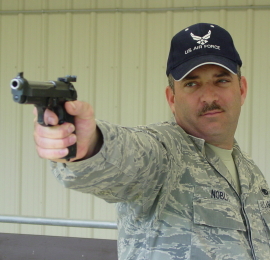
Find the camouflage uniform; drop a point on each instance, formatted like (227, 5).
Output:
(175, 198)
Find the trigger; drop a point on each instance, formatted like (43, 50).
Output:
(41, 111)
(59, 111)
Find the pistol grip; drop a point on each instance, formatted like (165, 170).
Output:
(63, 116)
(72, 150)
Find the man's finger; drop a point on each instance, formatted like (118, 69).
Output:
(55, 132)
(52, 154)
(50, 118)
(48, 143)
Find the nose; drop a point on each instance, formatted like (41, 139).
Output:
(209, 93)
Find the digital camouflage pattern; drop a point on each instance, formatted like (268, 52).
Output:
(175, 198)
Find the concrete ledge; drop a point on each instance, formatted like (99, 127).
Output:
(37, 247)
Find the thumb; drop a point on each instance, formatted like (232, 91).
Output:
(88, 136)
(80, 109)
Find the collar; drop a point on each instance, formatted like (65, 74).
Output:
(200, 143)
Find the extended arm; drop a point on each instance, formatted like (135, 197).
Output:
(112, 162)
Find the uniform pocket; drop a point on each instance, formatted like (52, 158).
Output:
(264, 206)
(216, 211)
(217, 214)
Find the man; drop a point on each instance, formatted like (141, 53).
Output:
(184, 189)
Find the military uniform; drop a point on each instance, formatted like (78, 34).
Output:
(175, 198)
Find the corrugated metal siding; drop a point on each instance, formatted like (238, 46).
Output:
(120, 60)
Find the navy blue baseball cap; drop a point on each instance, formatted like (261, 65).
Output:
(201, 44)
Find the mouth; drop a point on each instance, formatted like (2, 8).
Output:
(211, 110)
(212, 113)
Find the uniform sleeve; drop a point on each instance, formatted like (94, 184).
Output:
(130, 165)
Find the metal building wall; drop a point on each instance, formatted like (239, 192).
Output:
(119, 57)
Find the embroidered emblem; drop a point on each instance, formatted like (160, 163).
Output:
(201, 40)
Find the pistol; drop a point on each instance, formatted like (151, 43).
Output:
(48, 94)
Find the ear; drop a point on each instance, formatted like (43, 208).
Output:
(243, 89)
(170, 98)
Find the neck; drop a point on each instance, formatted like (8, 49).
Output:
(222, 145)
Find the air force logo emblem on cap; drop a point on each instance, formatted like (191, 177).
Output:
(201, 40)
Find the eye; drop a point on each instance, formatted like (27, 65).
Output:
(190, 84)
(223, 80)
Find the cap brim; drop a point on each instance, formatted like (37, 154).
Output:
(184, 69)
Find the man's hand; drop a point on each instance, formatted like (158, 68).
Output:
(52, 142)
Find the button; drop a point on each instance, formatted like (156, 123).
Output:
(265, 192)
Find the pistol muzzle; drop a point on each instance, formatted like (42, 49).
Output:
(15, 84)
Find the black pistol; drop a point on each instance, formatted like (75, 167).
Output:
(49, 94)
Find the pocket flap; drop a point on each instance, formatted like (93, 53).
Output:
(217, 213)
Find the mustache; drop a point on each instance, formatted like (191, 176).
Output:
(207, 107)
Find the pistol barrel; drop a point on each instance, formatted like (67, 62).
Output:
(15, 84)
